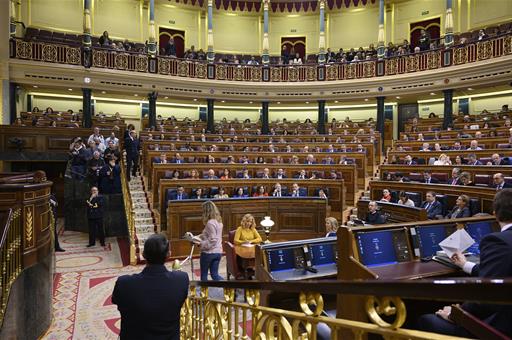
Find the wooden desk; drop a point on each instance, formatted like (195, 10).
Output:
(396, 212)
(487, 142)
(412, 270)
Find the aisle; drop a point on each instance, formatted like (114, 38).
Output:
(82, 293)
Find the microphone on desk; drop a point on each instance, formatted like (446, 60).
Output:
(307, 260)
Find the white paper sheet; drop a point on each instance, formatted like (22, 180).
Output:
(459, 241)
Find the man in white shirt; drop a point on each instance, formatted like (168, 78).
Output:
(96, 134)
(474, 145)
(115, 140)
(277, 191)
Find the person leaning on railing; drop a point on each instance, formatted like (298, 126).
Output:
(495, 262)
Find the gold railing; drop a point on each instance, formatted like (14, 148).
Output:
(10, 257)
(203, 317)
(129, 212)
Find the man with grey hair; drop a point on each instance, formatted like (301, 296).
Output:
(374, 216)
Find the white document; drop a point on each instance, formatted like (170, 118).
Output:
(189, 237)
(459, 241)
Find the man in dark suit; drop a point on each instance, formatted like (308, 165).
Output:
(455, 180)
(432, 206)
(374, 216)
(428, 179)
(177, 159)
(499, 182)
(280, 174)
(498, 160)
(409, 160)
(95, 217)
(161, 160)
(170, 48)
(179, 194)
(472, 160)
(495, 262)
(149, 308)
(132, 147)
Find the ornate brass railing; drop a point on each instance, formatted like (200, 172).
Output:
(140, 62)
(205, 318)
(11, 249)
(129, 212)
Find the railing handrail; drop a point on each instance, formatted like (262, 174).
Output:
(3, 236)
(446, 289)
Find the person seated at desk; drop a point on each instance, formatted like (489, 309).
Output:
(428, 179)
(499, 182)
(226, 174)
(246, 232)
(403, 199)
(432, 206)
(296, 191)
(465, 179)
(386, 195)
(262, 192)
(161, 160)
(198, 194)
(221, 193)
(495, 262)
(374, 216)
(331, 227)
(239, 193)
(461, 208)
(211, 175)
(278, 191)
(472, 160)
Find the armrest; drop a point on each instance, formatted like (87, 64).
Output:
(474, 325)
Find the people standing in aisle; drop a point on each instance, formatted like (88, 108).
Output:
(95, 206)
(132, 147)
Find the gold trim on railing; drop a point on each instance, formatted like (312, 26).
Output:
(129, 213)
(203, 317)
(10, 259)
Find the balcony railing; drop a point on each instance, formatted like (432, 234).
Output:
(138, 62)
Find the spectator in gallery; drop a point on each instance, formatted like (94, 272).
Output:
(297, 60)
(331, 226)
(211, 242)
(240, 193)
(96, 135)
(95, 205)
(94, 166)
(261, 192)
(386, 195)
(246, 233)
(149, 310)
(403, 199)
(170, 48)
(285, 56)
(112, 138)
(482, 35)
(78, 159)
(374, 216)
(253, 61)
(104, 40)
(424, 40)
(461, 208)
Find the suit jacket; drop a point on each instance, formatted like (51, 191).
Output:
(132, 147)
(376, 218)
(170, 49)
(504, 161)
(465, 212)
(435, 209)
(95, 208)
(432, 180)
(150, 303)
(457, 182)
(505, 186)
(174, 196)
(495, 262)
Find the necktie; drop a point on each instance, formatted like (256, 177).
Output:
(427, 208)
(179, 197)
(428, 181)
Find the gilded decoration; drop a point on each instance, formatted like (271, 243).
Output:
(275, 74)
(164, 66)
(256, 73)
(388, 306)
(331, 72)
(293, 74)
(238, 73)
(29, 226)
(50, 53)
(201, 70)
(183, 68)
(369, 69)
(311, 73)
(507, 45)
(99, 58)
(220, 72)
(73, 56)
(391, 66)
(412, 63)
(121, 61)
(23, 50)
(460, 55)
(141, 63)
(433, 60)
(350, 71)
(484, 50)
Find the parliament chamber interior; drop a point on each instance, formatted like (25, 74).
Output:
(255, 169)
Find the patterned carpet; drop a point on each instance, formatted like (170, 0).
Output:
(83, 288)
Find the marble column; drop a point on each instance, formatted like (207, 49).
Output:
(321, 40)
(87, 108)
(264, 118)
(321, 117)
(152, 29)
(210, 55)
(265, 58)
(152, 109)
(380, 115)
(381, 38)
(448, 108)
(210, 117)
(448, 25)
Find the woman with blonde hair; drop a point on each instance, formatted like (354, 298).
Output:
(246, 232)
(331, 226)
(443, 160)
(211, 242)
